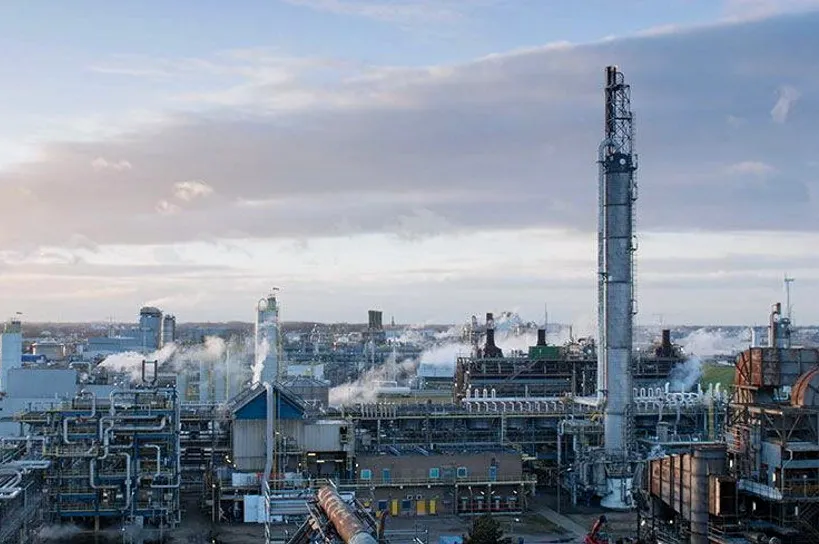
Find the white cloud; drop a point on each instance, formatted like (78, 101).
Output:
(505, 141)
(757, 168)
(102, 164)
(785, 101)
(696, 277)
(470, 162)
(749, 9)
(190, 190)
(163, 207)
(398, 11)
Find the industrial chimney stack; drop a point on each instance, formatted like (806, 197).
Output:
(617, 193)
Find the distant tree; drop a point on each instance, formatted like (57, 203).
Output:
(486, 530)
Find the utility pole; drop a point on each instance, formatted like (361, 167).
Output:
(788, 282)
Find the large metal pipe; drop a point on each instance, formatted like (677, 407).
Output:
(348, 527)
(271, 403)
(704, 462)
(136, 428)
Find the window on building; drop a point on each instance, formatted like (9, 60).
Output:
(434, 473)
(462, 472)
(366, 474)
(385, 475)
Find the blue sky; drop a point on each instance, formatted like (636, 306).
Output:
(434, 159)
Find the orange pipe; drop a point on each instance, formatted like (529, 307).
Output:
(339, 513)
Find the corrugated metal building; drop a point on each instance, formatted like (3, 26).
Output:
(317, 447)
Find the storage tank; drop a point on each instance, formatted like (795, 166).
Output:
(168, 329)
(150, 328)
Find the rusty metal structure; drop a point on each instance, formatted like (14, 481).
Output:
(349, 527)
(333, 520)
(764, 484)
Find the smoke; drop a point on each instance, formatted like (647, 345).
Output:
(266, 330)
(262, 350)
(58, 532)
(169, 357)
(365, 389)
(708, 342)
(130, 362)
(445, 355)
(685, 375)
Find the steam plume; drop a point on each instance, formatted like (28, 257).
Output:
(58, 532)
(685, 375)
(261, 353)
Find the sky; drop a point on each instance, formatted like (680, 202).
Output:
(430, 158)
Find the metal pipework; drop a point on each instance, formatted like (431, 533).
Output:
(348, 527)
(271, 411)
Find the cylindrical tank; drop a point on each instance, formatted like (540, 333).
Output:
(706, 461)
(348, 527)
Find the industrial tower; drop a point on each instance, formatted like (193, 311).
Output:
(616, 302)
(268, 340)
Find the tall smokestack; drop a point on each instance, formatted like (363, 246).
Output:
(665, 346)
(615, 262)
(541, 337)
(490, 349)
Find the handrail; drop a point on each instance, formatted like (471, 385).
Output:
(469, 480)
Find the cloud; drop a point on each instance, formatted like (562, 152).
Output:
(757, 168)
(163, 207)
(190, 190)
(787, 97)
(754, 9)
(700, 278)
(502, 142)
(102, 164)
(398, 11)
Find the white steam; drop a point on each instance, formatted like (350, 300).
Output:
(445, 355)
(58, 532)
(130, 362)
(260, 354)
(366, 388)
(686, 375)
(511, 334)
(707, 342)
(169, 357)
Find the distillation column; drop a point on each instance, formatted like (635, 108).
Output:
(616, 248)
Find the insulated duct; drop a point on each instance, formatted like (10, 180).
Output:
(346, 524)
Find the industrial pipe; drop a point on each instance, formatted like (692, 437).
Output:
(158, 449)
(127, 479)
(7, 495)
(177, 431)
(268, 465)
(348, 527)
(92, 463)
(13, 482)
(93, 413)
(135, 428)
